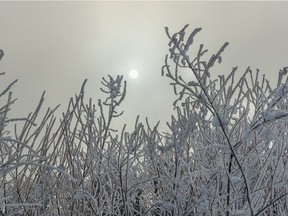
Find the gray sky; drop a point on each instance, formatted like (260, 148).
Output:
(54, 46)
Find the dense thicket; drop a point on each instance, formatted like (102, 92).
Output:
(225, 152)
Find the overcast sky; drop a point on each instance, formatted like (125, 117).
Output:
(54, 46)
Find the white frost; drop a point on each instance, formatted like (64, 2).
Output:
(216, 122)
(202, 207)
(235, 179)
(79, 195)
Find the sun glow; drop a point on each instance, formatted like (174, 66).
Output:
(133, 74)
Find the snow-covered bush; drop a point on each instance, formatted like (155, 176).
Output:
(239, 142)
(225, 152)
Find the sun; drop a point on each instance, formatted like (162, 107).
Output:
(133, 74)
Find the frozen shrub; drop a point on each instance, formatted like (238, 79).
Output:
(225, 151)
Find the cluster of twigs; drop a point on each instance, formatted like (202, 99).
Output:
(225, 152)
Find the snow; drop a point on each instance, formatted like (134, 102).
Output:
(235, 179)
(85, 167)
(79, 195)
(218, 120)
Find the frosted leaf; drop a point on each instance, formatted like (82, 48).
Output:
(247, 135)
(61, 167)
(203, 111)
(183, 61)
(279, 185)
(79, 195)
(176, 181)
(275, 115)
(192, 83)
(193, 125)
(216, 122)
(261, 193)
(165, 149)
(114, 94)
(181, 198)
(265, 133)
(235, 179)
(281, 91)
(168, 206)
(202, 207)
(37, 190)
(280, 114)
(239, 213)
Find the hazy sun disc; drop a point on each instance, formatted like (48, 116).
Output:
(133, 74)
